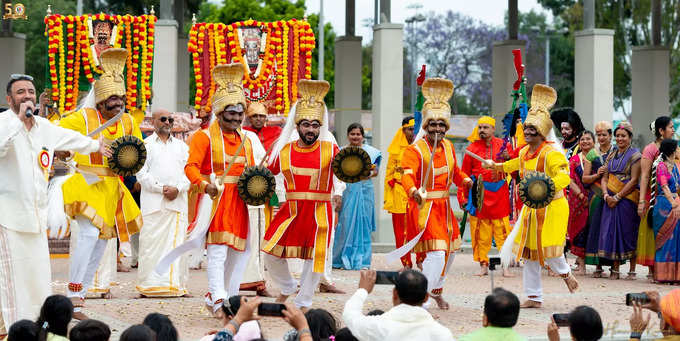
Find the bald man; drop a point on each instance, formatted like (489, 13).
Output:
(164, 209)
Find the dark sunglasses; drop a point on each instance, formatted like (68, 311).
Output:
(21, 77)
(169, 119)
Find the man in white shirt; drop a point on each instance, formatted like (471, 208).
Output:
(164, 209)
(407, 320)
(27, 145)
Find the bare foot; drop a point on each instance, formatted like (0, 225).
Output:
(330, 288)
(598, 273)
(264, 293)
(187, 295)
(631, 276)
(508, 273)
(529, 304)
(107, 295)
(419, 265)
(571, 282)
(552, 273)
(281, 298)
(79, 315)
(441, 303)
(122, 268)
(483, 271)
(135, 265)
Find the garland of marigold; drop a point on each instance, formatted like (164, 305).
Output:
(135, 62)
(62, 65)
(76, 67)
(52, 48)
(211, 55)
(284, 64)
(196, 43)
(69, 63)
(151, 29)
(85, 50)
(142, 46)
(128, 62)
(296, 60)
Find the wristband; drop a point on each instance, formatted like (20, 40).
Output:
(635, 335)
(235, 324)
(304, 331)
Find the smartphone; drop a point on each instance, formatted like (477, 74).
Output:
(636, 297)
(493, 261)
(270, 309)
(561, 320)
(386, 277)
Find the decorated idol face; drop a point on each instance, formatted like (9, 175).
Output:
(102, 32)
(251, 44)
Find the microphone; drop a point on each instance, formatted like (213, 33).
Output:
(30, 112)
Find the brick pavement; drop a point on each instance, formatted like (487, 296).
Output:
(464, 291)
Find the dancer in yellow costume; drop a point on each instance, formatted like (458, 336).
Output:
(540, 234)
(104, 209)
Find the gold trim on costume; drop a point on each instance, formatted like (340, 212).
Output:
(437, 195)
(100, 171)
(226, 237)
(314, 196)
(547, 252)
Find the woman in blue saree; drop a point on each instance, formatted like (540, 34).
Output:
(666, 215)
(352, 249)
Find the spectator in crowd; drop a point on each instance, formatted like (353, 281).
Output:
(161, 324)
(249, 330)
(501, 310)
(407, 320)
(668, 309)
(584, 325)
(322, 326)
(90, 330)
(345, 335)
(138, 332)
(54, 318)
(23, 330)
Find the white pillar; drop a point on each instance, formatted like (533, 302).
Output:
(594, 76)
(503, 75)
(12, 58)
(183, 75)
(650, 66)
(347, 85)
(388, 107)
(165, 66)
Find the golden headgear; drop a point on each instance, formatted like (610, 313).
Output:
(112, 81)
(310, 105)
(543, 98)
(229, 79)
(256, 108)
(603, 125)
(437, 92)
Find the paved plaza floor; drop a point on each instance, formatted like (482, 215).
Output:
(464, 291)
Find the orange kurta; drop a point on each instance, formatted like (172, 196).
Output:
(303, 226)
(436, 217)
(208, 153)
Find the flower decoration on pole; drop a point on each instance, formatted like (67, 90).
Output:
(275, 55)
(74, 44)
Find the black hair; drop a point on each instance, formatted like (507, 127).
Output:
(138, 332)
(162, 325)
(375, 312)
(570, 116)
(668, 147)
(344, 334)
(661, 123)
(23, 330)
(90, 330)
(625, 128)
(321, 323)
(355, 125)
(13, 80)
(585, 324)
(231, 306)
(501, 308)
(406, 119)
(588, 132)
(411, 287)
(55, 315)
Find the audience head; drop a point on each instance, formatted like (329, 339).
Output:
(345, 334)
(55, 316)
(375, 312)
(162, 325)
(585, 324)
(663, 127)
(501, 309)
(668, 148)
(411, 288)
(138, 332)
(23, 330)
(231, 306)
(321, 323)
(90, 330)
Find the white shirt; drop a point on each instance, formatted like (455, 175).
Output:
(164, 166)
(402, 322)
(23, 184)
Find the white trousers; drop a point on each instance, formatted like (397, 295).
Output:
(531, 275)
(254, 271)
(280, 275)
(225, 271)
(134, 243)
(85, 257)
(433, 269)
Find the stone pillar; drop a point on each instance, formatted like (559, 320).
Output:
(650, 66)
(165, 65)
(594, 76)
(347, 85)
(503, 75)
(12, 58)
(388, 95)
(183, 75)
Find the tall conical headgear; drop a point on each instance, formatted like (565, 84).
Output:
(229, 79)
(310, 106)
(437, 92)
(112, 81)
(543, 98)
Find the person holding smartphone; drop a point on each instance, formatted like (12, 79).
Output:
(584, 324)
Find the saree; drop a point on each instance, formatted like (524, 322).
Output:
(666, 228)
(645, 243)
(578, 209)
(596, 204)
(352, 248)
(619, 225)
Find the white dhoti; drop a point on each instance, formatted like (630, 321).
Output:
(531, 275)
(277, 268)
(87, 251)
(253, 278)
(435, 269)
(163, 231)
(25, 275)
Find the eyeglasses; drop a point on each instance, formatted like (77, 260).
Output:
(169, 119)
(20, 77)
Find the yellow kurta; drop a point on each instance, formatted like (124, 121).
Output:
(395, 199)
(107, 203)
(553, 231)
